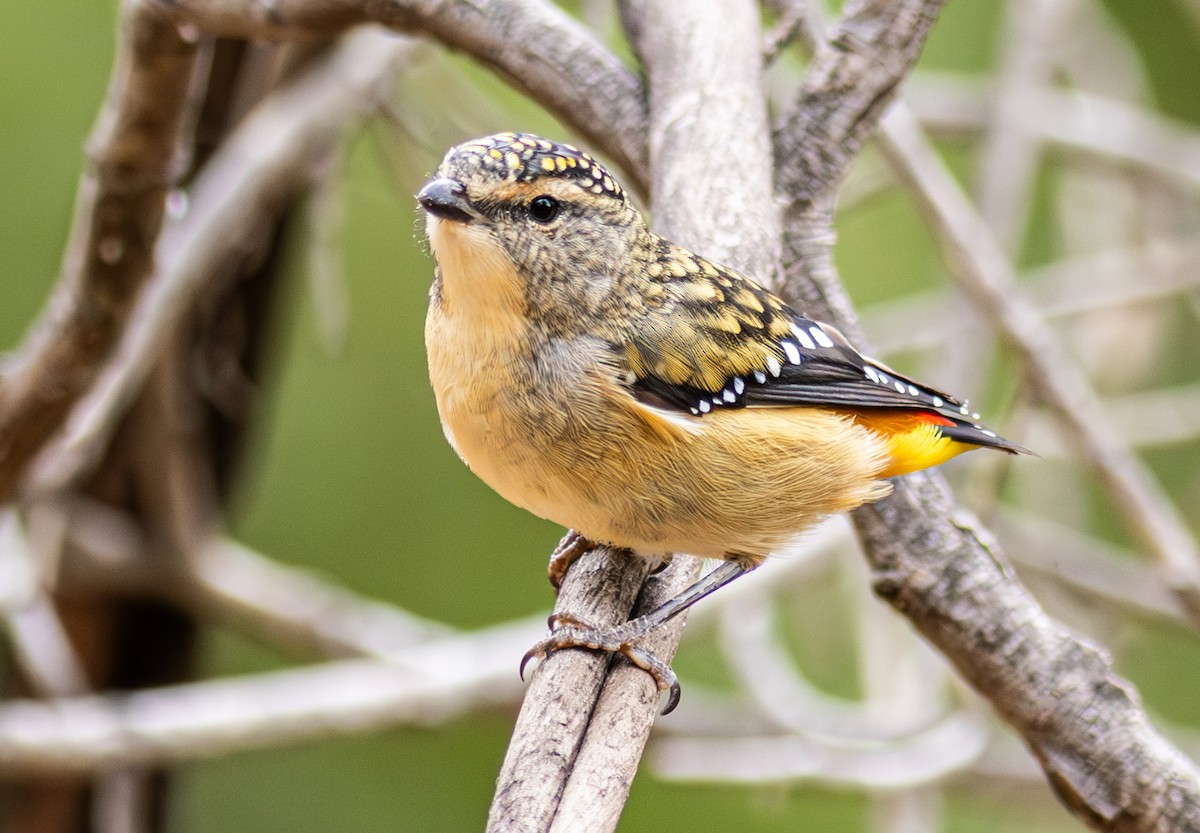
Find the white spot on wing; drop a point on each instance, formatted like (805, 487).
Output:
(760, 377)
(739, 386)
(773, 366)
(819, 335)
(803, 337)
(791, 351)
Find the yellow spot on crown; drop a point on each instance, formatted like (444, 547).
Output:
(495, 154)
(547, 164)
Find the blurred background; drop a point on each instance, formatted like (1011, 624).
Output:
(344, 471)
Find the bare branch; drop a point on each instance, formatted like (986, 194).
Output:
(600, 588)
(1085, 727)
(1075, 123)
(1010, 154)
(1100, 572)
(854, 75)
(1082, 722)
(1061, 289)
(133, 162)
(533, 44)
(422, 685)
(287, 607)
(985, 275)
(268, 159)
(921, 759)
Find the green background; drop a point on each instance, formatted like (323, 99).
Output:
(348, 473)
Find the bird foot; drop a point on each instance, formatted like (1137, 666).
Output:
(569, 632)
(569, 550)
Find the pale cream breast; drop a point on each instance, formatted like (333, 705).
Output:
(547, 424)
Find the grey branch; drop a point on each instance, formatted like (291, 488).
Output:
(935, 566)
(268, 159)
(706, 93)
(984, 273)
(132, 165)
(569, 72)
(423, 685)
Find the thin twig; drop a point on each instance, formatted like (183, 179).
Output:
(422, 685)
(1077, 124)
(934, 565)
(984, 273)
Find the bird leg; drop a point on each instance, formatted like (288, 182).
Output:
(569, 632)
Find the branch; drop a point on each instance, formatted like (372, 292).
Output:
(1076, 123)
(854, 74)
(540, 49)
(1082, 722)
(270, 157)
(423, 685)
(934, 566)
(133, 163)
(984, 273)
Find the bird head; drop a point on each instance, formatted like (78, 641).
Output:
(548, 212)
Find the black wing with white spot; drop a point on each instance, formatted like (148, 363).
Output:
(820, 368)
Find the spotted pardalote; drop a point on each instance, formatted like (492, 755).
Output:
(607, 379)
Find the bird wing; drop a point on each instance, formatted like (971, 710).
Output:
(719, 340)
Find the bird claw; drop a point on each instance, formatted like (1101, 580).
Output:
(570, 549)
(569, 632)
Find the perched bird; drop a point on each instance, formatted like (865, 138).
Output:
(614, 382)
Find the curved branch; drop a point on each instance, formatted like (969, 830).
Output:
(133, 163)
(983, 272)
(541, 50)
(422, 685)
(1083, 723)
(267, 159)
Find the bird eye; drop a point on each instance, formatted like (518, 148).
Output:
(543, 209)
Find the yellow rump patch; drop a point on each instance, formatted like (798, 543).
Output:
(913, 440)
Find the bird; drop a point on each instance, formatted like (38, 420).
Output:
(640, 395)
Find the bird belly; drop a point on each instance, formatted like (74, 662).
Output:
(567, 443)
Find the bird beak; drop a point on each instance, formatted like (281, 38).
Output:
(447, 199)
